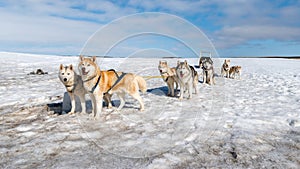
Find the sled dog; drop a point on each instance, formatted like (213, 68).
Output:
(208, 71)
(225, 68)
(204, 59)
(98, 82)
(169, 76)
(234, 71)
(74, 86)
(187, 78)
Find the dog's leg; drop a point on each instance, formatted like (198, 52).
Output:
(137, 96)
(99, 102)
(169, 89)
(121, 96)
(211, 79)
(82, 101)
(195, 85)
(107, 99)
(181, 91)
(172, 88)
(190, 90)
(73, 103)
(94, 105)
(203, 77)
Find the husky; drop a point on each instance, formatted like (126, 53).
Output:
(187, 78)
(235, 70)
(225, 68)
(208, 71)
(169, 76)
(204, 59)
(74, 86)
(98, 82)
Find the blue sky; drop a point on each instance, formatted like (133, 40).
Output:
(235, 27)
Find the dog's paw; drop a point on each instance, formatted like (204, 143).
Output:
(71, 112)
(97, 117)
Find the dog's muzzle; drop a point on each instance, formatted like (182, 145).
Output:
(65, 79)
(84, 71)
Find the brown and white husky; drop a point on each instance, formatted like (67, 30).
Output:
(98, 82)
(225, 68)
(169, 76)
(234, 71)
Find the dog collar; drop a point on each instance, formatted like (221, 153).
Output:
(73, 87)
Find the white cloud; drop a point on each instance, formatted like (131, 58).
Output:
(230, 36)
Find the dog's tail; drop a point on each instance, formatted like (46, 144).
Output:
(142, 83)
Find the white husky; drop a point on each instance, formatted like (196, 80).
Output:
(187, 78)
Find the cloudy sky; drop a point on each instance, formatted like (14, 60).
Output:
(234, 27)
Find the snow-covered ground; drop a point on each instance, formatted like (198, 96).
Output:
(249, 123)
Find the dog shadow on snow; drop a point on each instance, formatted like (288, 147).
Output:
(58, 109)
(160, 91)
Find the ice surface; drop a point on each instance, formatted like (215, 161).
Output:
(249, 123)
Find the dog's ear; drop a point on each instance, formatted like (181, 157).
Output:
(94, 58)
(185, 62)
(81, 57)
(71, 67)
(61, 67)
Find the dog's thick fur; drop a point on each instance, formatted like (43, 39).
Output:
(187, 78)
(208, 70)
(98, 82)
(225, 68)
(169, 76)
(74, 86)
(234, 71)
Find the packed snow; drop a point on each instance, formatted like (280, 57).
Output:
(252, 122)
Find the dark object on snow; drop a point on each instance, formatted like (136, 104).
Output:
(38, 72)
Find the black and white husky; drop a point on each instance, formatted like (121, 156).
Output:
(187, 78)
(208, 70)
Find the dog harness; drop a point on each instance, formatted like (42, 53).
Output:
(117, 81)
(93, 89)
(226, 69)
(164, 76)
(97, 83)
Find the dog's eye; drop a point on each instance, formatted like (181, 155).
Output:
(68, 73)
(62, 74)
(89, 65)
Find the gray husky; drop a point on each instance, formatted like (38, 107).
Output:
(187, 78)
(74, 86)
(208, 70)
